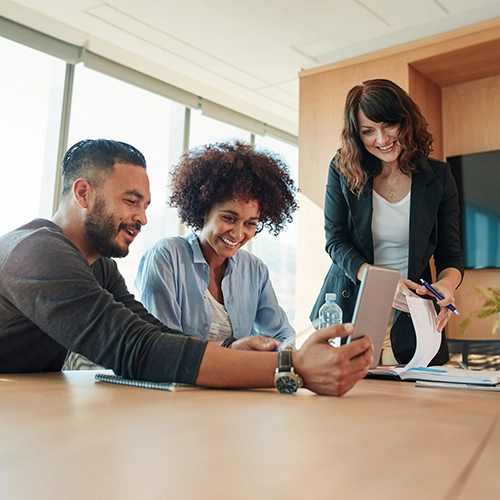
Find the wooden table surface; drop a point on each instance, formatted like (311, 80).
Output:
(63, 435)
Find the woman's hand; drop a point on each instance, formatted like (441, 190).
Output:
(405, 288)
(256, 343)
(448, 298)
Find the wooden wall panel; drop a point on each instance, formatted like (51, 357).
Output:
(480, 60)
(321, 103)
(427, 95)
(471, 116)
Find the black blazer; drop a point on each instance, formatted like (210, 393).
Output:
(434, 230)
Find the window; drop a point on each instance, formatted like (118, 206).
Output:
(107, 108)
(31, 96)
(32, 103)
(205, 130)
(279, 253)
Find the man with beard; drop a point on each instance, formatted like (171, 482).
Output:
(60, 291)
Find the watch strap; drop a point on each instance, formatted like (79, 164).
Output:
(228, 342)
(284, 360)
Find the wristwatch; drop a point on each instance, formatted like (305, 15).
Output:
(285, 378)
(228, 342)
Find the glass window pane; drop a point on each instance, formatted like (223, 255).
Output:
(288, 151)
(104, 107)
(205, 130)
(279, 253)
(31, 93)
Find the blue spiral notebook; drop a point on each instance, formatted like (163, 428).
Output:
(163, 386)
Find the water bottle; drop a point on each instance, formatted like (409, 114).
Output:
(330, 313)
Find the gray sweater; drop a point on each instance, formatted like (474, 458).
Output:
(52, 301)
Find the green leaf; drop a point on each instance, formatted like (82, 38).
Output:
(486, 312)
(463, 325)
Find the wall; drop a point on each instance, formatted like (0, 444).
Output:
(322, 97)
(472, 116)
(471, 124)
(455, 79)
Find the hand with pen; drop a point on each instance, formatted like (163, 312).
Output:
(442, 290)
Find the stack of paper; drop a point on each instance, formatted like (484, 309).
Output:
(423, 316)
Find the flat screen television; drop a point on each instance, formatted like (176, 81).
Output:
(478, 181)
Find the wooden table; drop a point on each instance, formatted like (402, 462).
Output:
(62, 435)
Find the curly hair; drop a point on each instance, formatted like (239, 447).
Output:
(233, 170)
(381, 101)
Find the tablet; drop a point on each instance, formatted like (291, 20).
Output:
(373, 307)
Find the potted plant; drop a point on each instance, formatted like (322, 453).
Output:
(491, 306)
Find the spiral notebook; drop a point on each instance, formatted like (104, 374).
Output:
(163, 386)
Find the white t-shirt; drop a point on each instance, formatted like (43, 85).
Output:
(221, 328)
(391, 233)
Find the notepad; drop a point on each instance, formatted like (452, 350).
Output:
(163, 386)
(454, 385)
(452, 375)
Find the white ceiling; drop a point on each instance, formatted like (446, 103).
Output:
(243, 54)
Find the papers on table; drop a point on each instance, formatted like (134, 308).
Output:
(423, 316)
(428, 339)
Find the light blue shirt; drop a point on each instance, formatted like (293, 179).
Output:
(172, 280)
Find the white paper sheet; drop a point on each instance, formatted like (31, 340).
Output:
(423, 316)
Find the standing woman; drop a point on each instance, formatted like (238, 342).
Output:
(205, 284)
(389, 204)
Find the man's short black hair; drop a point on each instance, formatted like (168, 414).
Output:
(90, 158)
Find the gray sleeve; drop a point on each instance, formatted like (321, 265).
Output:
(50, 283)
(108, 276)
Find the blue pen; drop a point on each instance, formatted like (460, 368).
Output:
(438, 295)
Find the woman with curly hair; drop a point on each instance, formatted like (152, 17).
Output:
(388, 204)
(204, 284)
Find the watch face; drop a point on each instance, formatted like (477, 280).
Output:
(286, 384)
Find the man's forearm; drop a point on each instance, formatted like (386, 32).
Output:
(229, 368)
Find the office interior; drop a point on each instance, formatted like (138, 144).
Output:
(76, 68)
(83, 55)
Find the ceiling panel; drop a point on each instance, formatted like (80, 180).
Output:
(326, 17)
(269, 19)
(138, 28)
(402, 15)
(241, 77)
(244, 54)
(278, 94)
(463, 6)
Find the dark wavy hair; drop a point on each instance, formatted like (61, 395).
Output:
(381, 101)
(233, 170)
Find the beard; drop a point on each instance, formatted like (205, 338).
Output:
(101, 232)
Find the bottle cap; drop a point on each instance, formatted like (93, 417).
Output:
(331, 296)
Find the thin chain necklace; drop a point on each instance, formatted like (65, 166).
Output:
(392, 188)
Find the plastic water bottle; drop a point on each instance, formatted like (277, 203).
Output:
(330, 313)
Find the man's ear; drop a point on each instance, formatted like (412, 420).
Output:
(82, 191)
